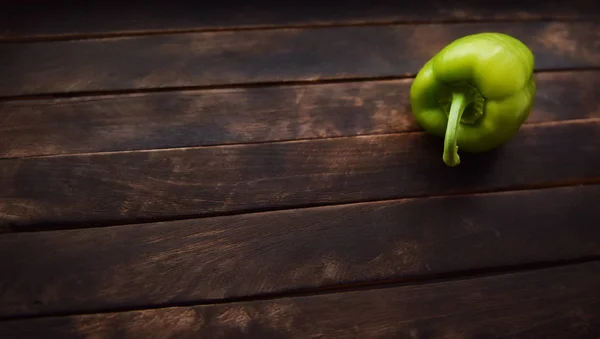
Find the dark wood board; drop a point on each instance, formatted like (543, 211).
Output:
(228, 116)
(203, 260)
(230, 58)
(125, 187)
(552, 303)
(75, 19)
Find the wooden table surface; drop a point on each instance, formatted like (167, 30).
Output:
(231, 170)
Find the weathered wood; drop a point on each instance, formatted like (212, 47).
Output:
(145, 185)
(212, 117)
(75, 19)
(552, 303)
(226, 58)
(277, 252)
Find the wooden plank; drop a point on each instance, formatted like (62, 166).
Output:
(227, 58)
(181, 262)
(75, 19)
(146, 185)
(213, 117)
(552, 303)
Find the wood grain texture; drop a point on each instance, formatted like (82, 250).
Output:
(73, 19)
(202, 260)
(553, 303)
(212, 117)
(145, 185)
(227, 58)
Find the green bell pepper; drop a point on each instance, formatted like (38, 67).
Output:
(476, 93)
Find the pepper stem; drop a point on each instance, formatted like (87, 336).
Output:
(459, 103)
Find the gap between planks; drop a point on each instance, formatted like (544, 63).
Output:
(171, 18)
(244, 85)
(289, 141)
(337, 289)
(7, 228)
(275, 27)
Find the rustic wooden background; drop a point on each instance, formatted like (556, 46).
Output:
(227, 170)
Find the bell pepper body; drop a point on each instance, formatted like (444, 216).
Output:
(487, 78)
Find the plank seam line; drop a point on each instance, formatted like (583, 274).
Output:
(257, 28)
(365, 286)
(283, 141)
(9, 229)
(248, 85)
(416, 130)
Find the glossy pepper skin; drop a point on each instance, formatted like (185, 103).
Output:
(475, 93)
